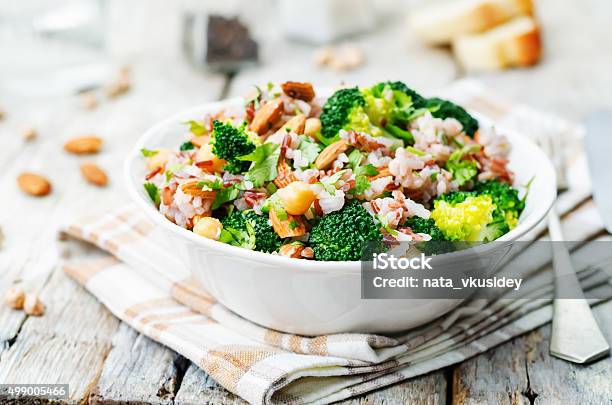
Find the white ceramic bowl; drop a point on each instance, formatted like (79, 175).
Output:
(310, 297)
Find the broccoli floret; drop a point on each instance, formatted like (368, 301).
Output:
(508, 206)
(428, 226)
(229, 143)
(445, 109)
(343, 234)
(335, 114)
(466, 220)
(378, 88)
(438, 244)
(266, 240)
(506, 199)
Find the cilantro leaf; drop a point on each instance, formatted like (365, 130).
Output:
(310, 150)
(148, 152)
(462, 170)
(225, 195)
(265, 159)
(195, 127)
(153, 192)
(367, 170)
(355, 158)
(361, 185)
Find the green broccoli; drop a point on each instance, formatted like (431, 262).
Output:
(229, 143)
(336, 111)
(378, 88)
(505, 200)
(467, 220)
(250, 230)
(427, 226)
(344, 235)
(445, 109)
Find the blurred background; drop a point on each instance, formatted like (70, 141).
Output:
(51, 48)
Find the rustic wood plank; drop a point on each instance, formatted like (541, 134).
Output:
(521, 372)
(57, 349)
(428, 389)
(138, 369)
(198, 387)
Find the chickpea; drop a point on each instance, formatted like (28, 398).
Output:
(205, 154)
(15, 297)
(297, 197)
(208, 227)
(312, 126)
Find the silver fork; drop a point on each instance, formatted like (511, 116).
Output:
(575, 335)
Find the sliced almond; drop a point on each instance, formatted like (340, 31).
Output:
(303, 91)
(84, 145)
(288, 228)
(295, 124)
(285, 175)
(267, 115)
(94, 174)
(291, 250)
(330, 153)
(382, 172)
(191, 187)
(15, 297)
(34, 184)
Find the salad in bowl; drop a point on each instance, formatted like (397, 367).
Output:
(315, 178)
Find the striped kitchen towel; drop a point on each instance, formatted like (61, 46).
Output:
(145, 286)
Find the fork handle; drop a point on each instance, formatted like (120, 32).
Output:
(575, 335)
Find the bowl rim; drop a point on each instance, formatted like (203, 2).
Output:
(153, 214)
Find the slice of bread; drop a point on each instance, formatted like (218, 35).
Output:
(440, 23)
(516, 43)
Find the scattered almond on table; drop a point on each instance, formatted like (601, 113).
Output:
(32, 305)
(89, 101)
(121, 85)
(2, 114)
(29, 135)
(94, 174)
(15, 297)
(340, 58)
(84, 145)
(34, 184)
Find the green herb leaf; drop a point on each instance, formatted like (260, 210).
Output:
(414, 151)
(355, 158)
(361, 185)
(216, 184)
(265, 160)
(310, 150)
(462, 170)
(367, 170)
(196, 127)
(225, 195)
(153, 192)
(148, 152)
(187, 146)
(400, 133)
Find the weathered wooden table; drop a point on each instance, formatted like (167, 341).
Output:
(80, 343)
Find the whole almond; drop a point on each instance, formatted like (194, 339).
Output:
(34, 184)
(15, 297)
(83, 145)
(330, 153)
(94, 174)
(32, 305)
(29, 135)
